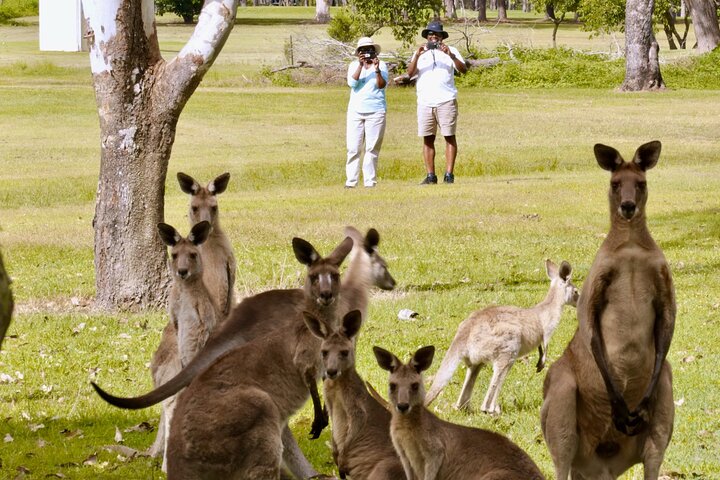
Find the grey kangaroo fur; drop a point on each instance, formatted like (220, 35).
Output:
(230, 419)
(433, 449)
(219, 278)
(501, 335)
(217, 252)
(192, 310)
(608, 401)
(276, 309)
(361, 444)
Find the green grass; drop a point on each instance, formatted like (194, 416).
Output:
(527, 189)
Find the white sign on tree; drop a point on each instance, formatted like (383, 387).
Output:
(61, 25)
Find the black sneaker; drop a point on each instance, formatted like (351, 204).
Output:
(431, 179)
(449, 178)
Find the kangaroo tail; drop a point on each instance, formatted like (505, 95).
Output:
(445, 372)
(206, 357)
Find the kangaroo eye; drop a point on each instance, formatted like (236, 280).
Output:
(324, 353)
(344, 353)
(214, 208)
(335, 277)
(193, 256)
(313, 278)
(194, 209)
(393, 387)
(174, 256)
(641, 186)
(415, 387)
(615, 185)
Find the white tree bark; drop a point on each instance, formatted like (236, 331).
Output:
(322, 11)
(140, 97)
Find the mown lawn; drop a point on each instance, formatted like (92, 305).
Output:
(528, 188)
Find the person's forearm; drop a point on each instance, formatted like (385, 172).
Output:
(412, 68)
(356, 75)
(381, 83)
(459, 64)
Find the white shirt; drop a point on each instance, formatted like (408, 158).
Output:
(436, 80)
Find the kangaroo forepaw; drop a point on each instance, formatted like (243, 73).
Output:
(317, 426)
(620, 415)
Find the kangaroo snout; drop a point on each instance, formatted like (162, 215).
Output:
(332, 374)
(627, 209)
(182, 273)
(403, 407)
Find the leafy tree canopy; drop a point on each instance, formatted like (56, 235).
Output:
(405, 17)
(606, 16)
(187, 9)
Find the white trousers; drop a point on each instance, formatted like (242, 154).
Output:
(367, 128)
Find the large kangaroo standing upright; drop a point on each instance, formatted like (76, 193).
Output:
(608, 401)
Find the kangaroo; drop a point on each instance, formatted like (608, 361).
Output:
(218, 276)
(230, 419)
(361, 444)
(608, 401)
(433, 449)
(267, 311)
(193, 313)
(217, 253)
(500, 335)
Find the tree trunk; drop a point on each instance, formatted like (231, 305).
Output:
(6, 301)
(482, 10)
(502, 10)
(705, 21)
(450, 12)
(322, 11)
(642, 70)
(140, 97)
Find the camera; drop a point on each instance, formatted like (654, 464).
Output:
(431, 45)
(367, 56)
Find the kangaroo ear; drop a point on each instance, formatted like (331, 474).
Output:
(219, 185)
(337, 256)
(607, 157)
(188, 184)
(551, 269)
(199, 232)
(423, 358)
(646, 156)
(316, 327)
(565, 271)
(168, 234)
(372, 239)
(351, 323)
(386, 360)
(304, 252)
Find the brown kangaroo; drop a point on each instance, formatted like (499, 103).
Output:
(230, 419)
(608, 401)
(433, 449)
(362, 448)
(193, 313)
(500, 335)
(217, 251)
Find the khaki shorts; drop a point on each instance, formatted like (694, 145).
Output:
(445, 115)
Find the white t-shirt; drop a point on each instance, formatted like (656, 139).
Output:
(436, 81)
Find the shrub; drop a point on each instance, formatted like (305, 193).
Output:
(10, 9)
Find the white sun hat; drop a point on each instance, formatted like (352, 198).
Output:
(367, 42)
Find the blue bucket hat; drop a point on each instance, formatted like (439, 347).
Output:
(436, 27)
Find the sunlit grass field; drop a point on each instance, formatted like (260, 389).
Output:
(528, 188)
